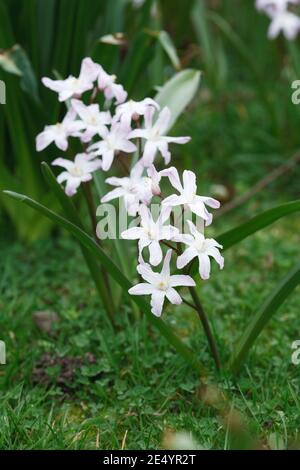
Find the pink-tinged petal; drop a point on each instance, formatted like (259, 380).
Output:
(164, 150)
(189, 182)
(149, 153)
(182, 280)
(72, 186)
(163, 120)
(147, 274)
(173, 176)
(119, 93)
(114, 181)
(157, 302)
(184, 259)
(127, 146)
(116, 193)
(210, 202)
(142, 289)
(166, 266)
(67, 164)
(54, 85)
(199, 209)
(137, 171)
(134, 233)
(174, 200)
(168, 232)
(214, 252)
(148, 117)
(43, 140)
(177, 140)
(138, 134)
(155, 253)
(204, 266)
(89, 70)
(143, 243)
(62, 177)
(80, 109)
(107, 159)
(195, 232)
(93, 165)
(173, 296)
(164, 215)
(86, 178)
(145, 215)
(61, 142)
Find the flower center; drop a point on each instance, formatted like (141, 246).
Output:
(162, 285)
(76, 171)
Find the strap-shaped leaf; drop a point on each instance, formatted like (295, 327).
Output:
(115, 273)
(263, 316)
(178, 92)
(257, 223)
(72, 215)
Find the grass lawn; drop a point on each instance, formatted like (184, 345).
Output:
(84, 386)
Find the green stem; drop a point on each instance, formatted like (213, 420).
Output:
(106, 293)
(206, 327)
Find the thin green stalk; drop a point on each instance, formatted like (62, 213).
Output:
(107, 296)
(206, 327)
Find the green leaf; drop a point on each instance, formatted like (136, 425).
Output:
(72, 215)
(168, 46)
(258, 222)
(178, 92)
(263, 316)
(115, 273)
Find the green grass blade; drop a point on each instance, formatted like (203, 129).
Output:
(263, 316)
(115, 273)
(259, 222)
(178, 92)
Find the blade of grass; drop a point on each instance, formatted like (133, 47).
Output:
(263, 316)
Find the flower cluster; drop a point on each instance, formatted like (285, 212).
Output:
(281, 18)
(123, 127)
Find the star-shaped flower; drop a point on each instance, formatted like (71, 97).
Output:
(160, 285)
(113, 141)
(134, 189)
(202, 248)
(151, 232)
(132, 110)
(59, 133)
(72, 86)
(77, 172)
(154, 136)
(188, 194)
(94, 121)
(107, 84)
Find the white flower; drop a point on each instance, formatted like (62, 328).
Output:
(94, 121)
(106, 83)
(202, 248)
(133, 110)
(160, 285)
(286, 22)
(113, 141)
(77, 172)
(59, 133)
(188, 194)
(73, 86)
(134, 189)
(272, 7)
(154, 135)
(151, 232)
